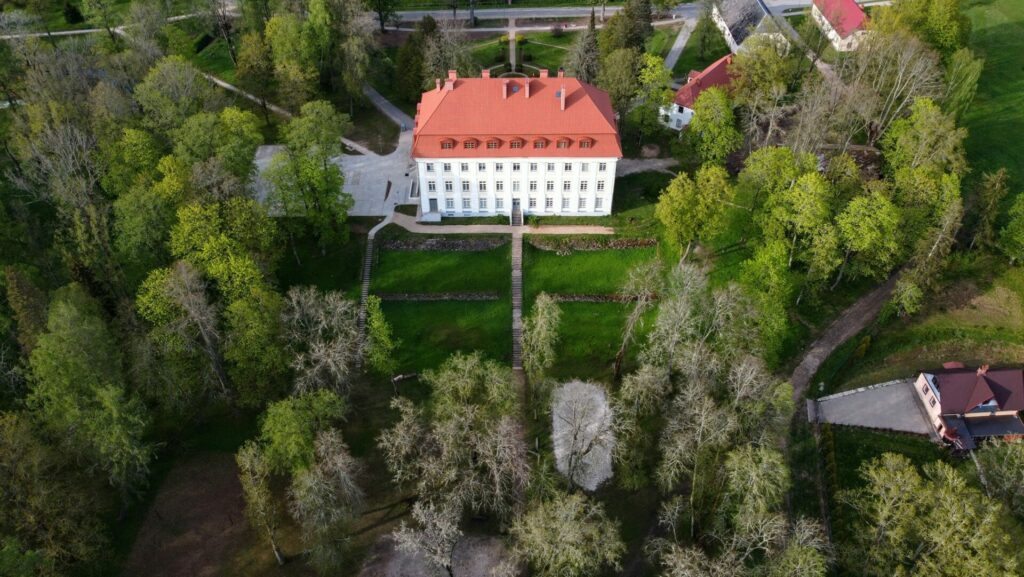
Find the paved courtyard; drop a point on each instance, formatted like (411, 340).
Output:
(889, 406)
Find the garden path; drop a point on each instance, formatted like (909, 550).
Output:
(677, 47)
(364, 289)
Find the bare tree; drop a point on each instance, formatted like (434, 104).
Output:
(322, 331)
(447, 49)
(254, 474)
(438, 533)
(642, 285)
(218, 13)
(583, 435)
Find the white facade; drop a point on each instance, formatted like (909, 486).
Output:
(675, 116)
(841, 44)
(575, 186)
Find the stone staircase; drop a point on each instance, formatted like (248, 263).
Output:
(364, 292)
(517, 216)
(517, 300)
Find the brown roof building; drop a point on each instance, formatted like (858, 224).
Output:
(964, 403)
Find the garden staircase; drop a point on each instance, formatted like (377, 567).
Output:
(517, 216)
(517, 300)
(364, 293)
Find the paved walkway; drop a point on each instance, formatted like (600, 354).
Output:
(401, 119)
(628, 166)
(409, 223)
(891, 406)
(677, 47)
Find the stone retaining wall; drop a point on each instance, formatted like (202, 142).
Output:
(443, 244)
(429, 297)
(564, 246)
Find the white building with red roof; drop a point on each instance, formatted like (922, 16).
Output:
(678, 114)
(513, 146)
(842, 21)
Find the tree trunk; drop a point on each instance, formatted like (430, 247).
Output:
(277, 552)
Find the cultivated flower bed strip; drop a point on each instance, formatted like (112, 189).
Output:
(449, 296)
(443, 244)
(565, 246)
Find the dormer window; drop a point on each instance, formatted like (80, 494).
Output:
(469, 144)
(586, 143)
(492, 144)
(539, 144)
(517, 143)
(563, 143)
(447, 144)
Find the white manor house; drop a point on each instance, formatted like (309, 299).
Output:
(515, 146)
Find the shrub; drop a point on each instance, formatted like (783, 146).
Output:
(72, 15)
(557, 30)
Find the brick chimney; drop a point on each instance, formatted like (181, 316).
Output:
(527, 87)
(982, 370)
(437, 84)
(561, 95)
(543, 72)
(486, 73)
(504, 89)
(561, 72)
(453, 74)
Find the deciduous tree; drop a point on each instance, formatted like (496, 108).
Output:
(713, 126)
(260, 508)
(321, 330)
(540, 335)
(290, 427)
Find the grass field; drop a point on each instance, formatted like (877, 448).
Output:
(691, 59)
(437, 271)
(996, 119)
(542, 56)
(431, 331)
(589, 338)
(582, 272)
(337, 268)
(216, 60)
(565, 39)
(490, 52)
(661, 41)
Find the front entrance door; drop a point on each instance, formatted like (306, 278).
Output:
(515, 204)
(433, 205)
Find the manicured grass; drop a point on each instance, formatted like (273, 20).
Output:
(446, 4)
(996, 118)
(431, 331)
(372, 129)
(490, 52)
(691, 58)
(565, 39)
(216, 59)
(589, 338)
(661, 41)
(540, 56)
(437, 271)
(338, 268)
(582, 272)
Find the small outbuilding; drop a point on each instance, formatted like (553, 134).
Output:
(842, 21)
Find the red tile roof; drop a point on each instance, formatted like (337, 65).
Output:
(717, 74)
(499, 110)
(961, 390)
(845, 16)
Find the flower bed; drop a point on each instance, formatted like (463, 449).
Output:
(443, 244)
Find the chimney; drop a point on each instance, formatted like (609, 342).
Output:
(504, 89)
(983, 369)
(437, 84)
(561, 95)
(527, 85)
(449, 85)
(561, 72)
(486, 73)
(453, 74)
(543, 72)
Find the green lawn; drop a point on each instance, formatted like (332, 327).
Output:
(216, 60)
(338, 268)
(661, 41)
(589, 338)
(431, 331)
(996, 119)
(437, 271)
(691, 59)
(490, 52)
(539, 56)
(582, 272)
(565, 39)
(372, 129)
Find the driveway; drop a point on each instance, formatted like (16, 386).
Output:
(889, 406)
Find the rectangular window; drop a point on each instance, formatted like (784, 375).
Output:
(563, 144)
(481, 167)
(515, 186)
(430, 167)
(498, 167)
(516, 166)
(585, 166)
(550, 186)
(465, 186)
(533, 203)
(566, 185)
(447, 167)
(549, 203)
(464, 167)
(447, 145)
(602, 166)
(482, 186)
(449, 203)
(538, 144)
(567, 167)
(583, 203)
(585, 144)
(492, 144)
(499, 186)
(533, 167)
(499, 203)
(533, 186)
(924, 388)
(931, 402)
(516, 144)
(551, 166)
(465, 204)
(431, 186)
(470, 144)
(565, 204)
(600, 185)
(583, 186)
(447, 186)
(483, 204)
(598, 203)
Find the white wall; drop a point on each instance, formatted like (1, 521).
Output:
(584, 177)
(716, 17)
(840, 44)
(674, 116)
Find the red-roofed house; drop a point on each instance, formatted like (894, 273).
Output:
(842, 21)
(678, 114)
(963, 404)
(514, 146)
